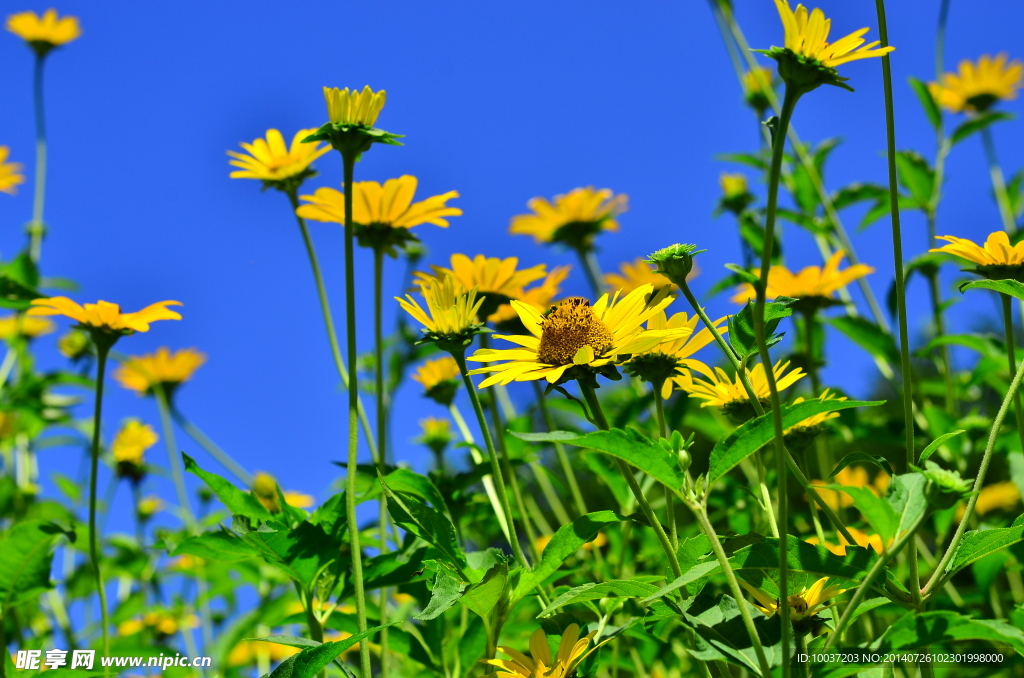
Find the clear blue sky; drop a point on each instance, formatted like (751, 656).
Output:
(501, 102)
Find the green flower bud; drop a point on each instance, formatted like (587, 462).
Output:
(675, 262)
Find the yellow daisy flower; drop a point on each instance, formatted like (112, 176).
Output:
(10, 172)
(14, 326)
(573, 219)
(132, 441)
(814, 285)
(540, 297)
(104, 316)
(668, 363)
(140, 373)
(273, 162)
(719, 390)
(807, 35)
(757, 83)
(862, 538)
(450, 315)
(575, 334)
(815, 419)
(44, 32)
(804, 604)
(541, 664)
(851, 476)
(977, 86)
(998, 259)
(353, 107)
(639, 272)
(434, 372)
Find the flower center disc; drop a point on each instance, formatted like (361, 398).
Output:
(569, 327)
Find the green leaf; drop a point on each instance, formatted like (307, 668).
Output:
(983, 344)
(917, 176)
(27, 550)
(877, 511)
(219, 546)
(976, 124)
(931, 109)
(754, 434)
(907, 497)
(18, 281)
(931, 628)
(936, 444)
(413, 484)
(564, 544)
(629, 445)
(722, 636)
(693, 574)
(312, 660)
(237, 501)
(427, 523)
(290, 641)
(868, 336)
(304, 553)
(485, 595)
(855, 193)
(1011, 287)
(741, 326)
(448, 587)
(976, 544)
(616, 588)
(879, 461)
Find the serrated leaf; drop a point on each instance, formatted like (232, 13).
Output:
(312, 660)
(877, 511)
(741, 326)
(448, 587)
(976, 544)
(853, 457)
(27, 550)
(483, 596)
(218, 546)
(427, 523)
(936, 444)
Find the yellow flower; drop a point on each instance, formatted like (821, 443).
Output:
(161, 623)
(576, 334)
(574, 218)
(450, 315)
(346, 107)
(298, 499)
(757, 83)
(851, 476)
(18, 325)
(571, 651)
(719, 390)
(815, 419)
(732, 184)
(44, 32)
(132, 441)
(979, 85)
(998, 259)
(639, 272)
(141, 373)
(149, 506)
(246, 652)
(814, 285)
(864, 539)
(264, 487)
(802, 605)
(669, 362)
(104, 316)
(10, 172)
(997, 496)
(270, 160)
(74, 344)
(540, 298)
(807, 35)
(437, 371)
(437, 434)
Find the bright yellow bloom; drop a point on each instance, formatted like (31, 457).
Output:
(45, 30)
(574, 218)
(732, 184)
(149, 506)
(74, 344)
(105, 316)
(10, 172)
(18, 325)
(757, 84)
(997, 251)
(346, 107)
(576, 334)
(246, 652)
(669, 362)
(807, 35)
(863, 539)
(162, 623)
(389, 205)
(815, 419)
(264, 488)
(571, 651)
(978, 85)
(851, 476)
(437, 432)
(998, 496)
(437, 371)
(802, 605)
(272, 161)
(132, 441)
(718, 390)
(449, 313)
(639, 272)
(298, 499)
(811, 283)
(140, 373)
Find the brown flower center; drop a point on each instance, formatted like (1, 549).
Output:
(569, 327)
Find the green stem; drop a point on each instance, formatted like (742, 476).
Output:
(592, 270)
(174, 457)
(594, 403)
(563, 457)
(940, 40)
(487, 480)
(708, 529)
(351, 470)
(382, 427)
(670, 506)
(325, 309)
(102, 351)
(979, 481)
(1011, 359)
(481, 419)
(225, 460)
(36, 227)
(998, 181)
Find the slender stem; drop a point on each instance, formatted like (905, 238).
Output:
(478, 409)
(670, 506)
(174, 457)
(487, 480)
(940, 40)
(979, 482)
(998, 181)
(382, 428)
(102, 351)
(939, 324)
(709, 531)
(1011, 359)
(592, 270)
(594, 403)
(351, 472)
(563, 457)
(325, 309)
(36, 227)
(207, 444)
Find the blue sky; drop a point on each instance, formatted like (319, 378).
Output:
(502, 102)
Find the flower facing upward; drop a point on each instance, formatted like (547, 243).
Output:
(45, 32)
(10, 172)
(132, 441)
(977, 86)
(572, 219)
(141, 373)
(439, 378)
(276, 164)
(718, 390)
(104, 317)
(345, 107)
(668, 363)
(16, 326)
(450, 318)
(998, 259)
(541, 664)
(639, 272)
(873, 541)
(814, 286)
(575, 334)
(808, 59)
(803, 604)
